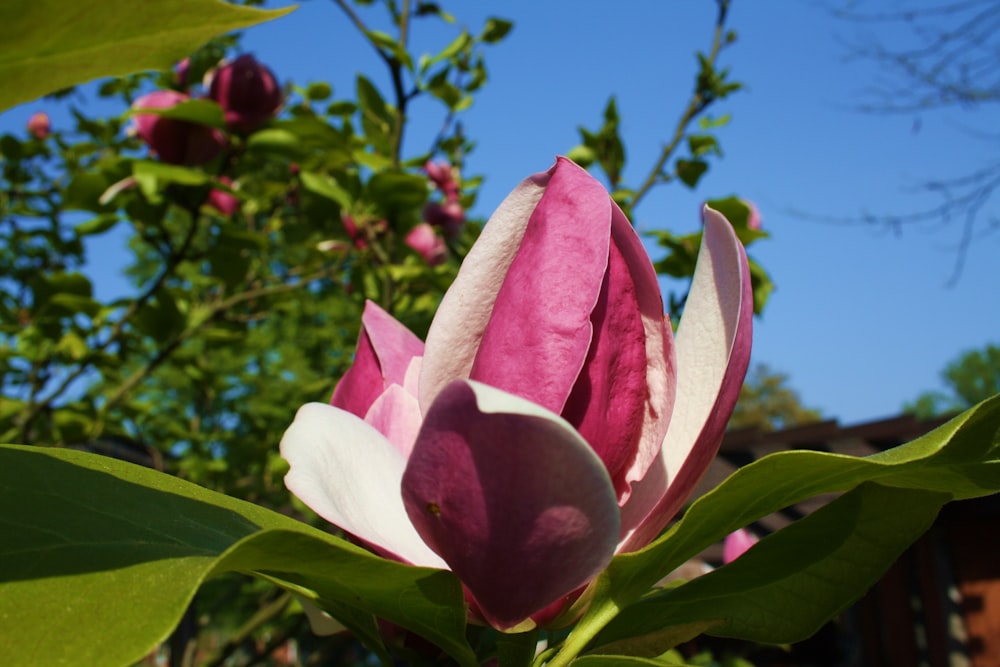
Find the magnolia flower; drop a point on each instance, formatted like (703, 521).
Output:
(428, 244)
(550, 421)
(450, 216)
(39, 125)
(175, 141)
(224, 202)
(247, 91)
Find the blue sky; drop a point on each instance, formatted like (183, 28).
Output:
(862, 319)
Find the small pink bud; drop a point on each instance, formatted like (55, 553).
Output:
(247, 91)
(224, 202)
(39, 125)
(443, 175)
(430, 246)
(754, 219)
(175, 141)
(354, 232)
(450, 216)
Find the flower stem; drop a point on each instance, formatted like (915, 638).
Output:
(516, 649)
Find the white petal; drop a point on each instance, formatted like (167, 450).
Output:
(349, 474)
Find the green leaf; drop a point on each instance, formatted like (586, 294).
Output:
(202, 112)
(89, 544)
(98, 225)
(623, 661)
(453, 49)
(318, 91)
(325, 186)
(792, 582)
(691, 171)
(761, 284)
(495, 30)
(701, 144)
(376, 118)
(53, 44)
(960, 458)
(395, 192)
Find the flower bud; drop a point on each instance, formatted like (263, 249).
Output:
(442, 175)
(430, 246)
(450, 216)
(39, 125)
(247, 91)
(224, 202)
(175, 141)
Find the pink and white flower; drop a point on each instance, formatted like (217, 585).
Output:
(550, 421)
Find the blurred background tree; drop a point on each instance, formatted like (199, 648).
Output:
(972, 377)
(769, 403)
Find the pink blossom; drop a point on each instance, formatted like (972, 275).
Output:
(425, 241)
(551, 419)
(450, 216)
(175, 141)
(224, 202)
(247, 91)
(39, 125)
(444, 178)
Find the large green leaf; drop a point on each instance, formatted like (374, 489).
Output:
(53, 44)
(99, 559)
(960, 459)
(787, 586)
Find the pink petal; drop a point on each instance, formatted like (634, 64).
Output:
(540, 331)
(396, 415)
(465, 310)
(385, 350)
(608, 401)
(661, 365)
(713, 352)
(350, 475)
(512, 498)
(737, 543)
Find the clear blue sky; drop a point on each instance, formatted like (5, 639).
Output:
(862, 319)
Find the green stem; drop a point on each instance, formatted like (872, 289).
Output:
(593, 622)
(517, 649)
(695, 107)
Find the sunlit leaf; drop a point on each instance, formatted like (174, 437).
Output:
(53, 44)
(100, 558)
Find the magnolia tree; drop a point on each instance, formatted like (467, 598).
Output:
(497, 470)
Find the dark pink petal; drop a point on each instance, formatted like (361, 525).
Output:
(512, 498)
(349, 474)
(713, 352)
(385, 350)
(661, 365)
(465, 310)
(540, 331)
(608, 402)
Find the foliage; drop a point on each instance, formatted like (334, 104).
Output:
(248, 272)
(247, 268)
(972, 377)
(768, 403)
(78, 44)
(101, 533)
